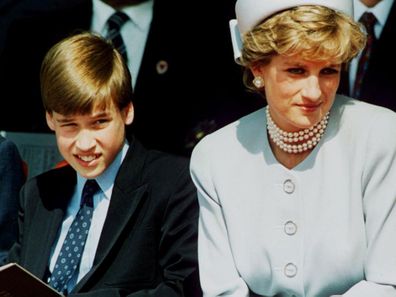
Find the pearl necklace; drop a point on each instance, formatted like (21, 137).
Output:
(307, 139)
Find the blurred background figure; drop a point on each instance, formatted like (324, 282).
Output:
(185, 84)
(12, 176)
(371, 77)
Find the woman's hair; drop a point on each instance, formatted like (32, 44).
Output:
(311, 31)
(82, 72)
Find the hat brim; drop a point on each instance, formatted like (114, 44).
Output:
(250, 13)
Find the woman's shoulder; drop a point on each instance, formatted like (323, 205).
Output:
(231, 135)
(369, 124)
(353, 105)
(224, 151)
(363, 113)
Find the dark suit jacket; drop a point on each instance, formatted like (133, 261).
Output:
(379, 85)
(149, 239)
(201, 90)
(11, 180)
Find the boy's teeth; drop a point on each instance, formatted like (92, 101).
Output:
(87, 158)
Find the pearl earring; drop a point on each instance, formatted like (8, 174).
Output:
(258, 82)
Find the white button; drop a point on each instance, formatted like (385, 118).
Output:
(288, 186)
(290, 228)
(290, 270)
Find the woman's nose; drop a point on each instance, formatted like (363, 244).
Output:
(311, 89)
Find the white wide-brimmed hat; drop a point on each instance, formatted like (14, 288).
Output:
(250, 13)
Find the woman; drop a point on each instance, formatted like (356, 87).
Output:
(298, 198)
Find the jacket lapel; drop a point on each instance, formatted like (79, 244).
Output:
(49, 217)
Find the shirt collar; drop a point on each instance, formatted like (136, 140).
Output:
(381, 10)
(107, 178)
(140, 14)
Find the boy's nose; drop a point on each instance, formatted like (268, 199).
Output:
(85, 141)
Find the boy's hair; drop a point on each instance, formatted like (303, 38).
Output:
(81, 72)
(312, 31)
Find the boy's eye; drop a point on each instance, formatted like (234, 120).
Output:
(296, 70)
(101, 121)
(68, 125)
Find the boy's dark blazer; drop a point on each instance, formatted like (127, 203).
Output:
(149, 239)
(379, 85)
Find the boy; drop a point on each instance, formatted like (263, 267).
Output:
(142, 236)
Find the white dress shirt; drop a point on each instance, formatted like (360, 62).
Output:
(101, 205)
(134, 32)
(326, 227)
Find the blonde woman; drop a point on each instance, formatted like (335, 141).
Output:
(298, 198)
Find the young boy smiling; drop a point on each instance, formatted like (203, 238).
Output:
(142, 235)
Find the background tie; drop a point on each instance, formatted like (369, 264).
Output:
(368, 20)
(115, 22)
(70, 254)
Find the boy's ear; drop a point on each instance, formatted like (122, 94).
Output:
(129, 114)
(50, 120)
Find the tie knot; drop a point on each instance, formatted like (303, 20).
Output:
(90, 188)
(368, 19)
(117, 20)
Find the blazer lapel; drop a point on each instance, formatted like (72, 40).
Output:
(45, 236)
(49, 216)
(119, 214)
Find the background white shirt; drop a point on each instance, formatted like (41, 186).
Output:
(134, 32)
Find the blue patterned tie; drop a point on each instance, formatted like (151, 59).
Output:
(115, 22)
(368, 20)
(70, 254)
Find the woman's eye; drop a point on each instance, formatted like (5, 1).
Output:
(296, 70)
(329, 71)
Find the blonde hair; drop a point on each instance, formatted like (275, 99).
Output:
(81, 72)
(314, 32)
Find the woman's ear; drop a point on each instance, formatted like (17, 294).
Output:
(257, 73)
(256, 70)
